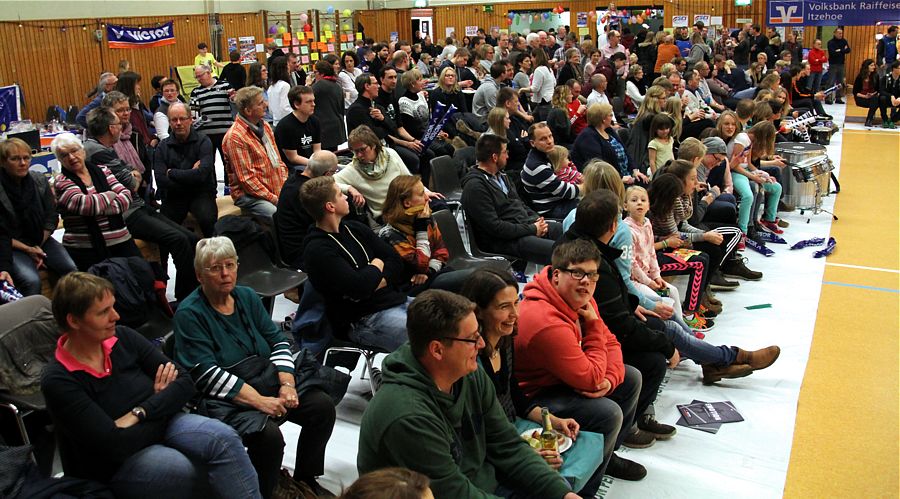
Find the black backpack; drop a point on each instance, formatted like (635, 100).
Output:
(133, 281)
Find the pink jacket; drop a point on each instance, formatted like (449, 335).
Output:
(644, 267)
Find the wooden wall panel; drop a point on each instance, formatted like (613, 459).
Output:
(53, 66)
(862, 47)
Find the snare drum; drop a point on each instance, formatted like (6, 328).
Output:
(820, 135)
(810, 181)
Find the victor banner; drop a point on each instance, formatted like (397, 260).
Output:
(125, 37)
(830, 12)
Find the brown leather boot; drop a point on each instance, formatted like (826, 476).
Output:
(758, 359)
(715, 308)
(712, 373)
(711, 297)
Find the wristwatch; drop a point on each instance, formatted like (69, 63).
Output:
(139, 413)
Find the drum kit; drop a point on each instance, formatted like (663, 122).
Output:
(811, 175)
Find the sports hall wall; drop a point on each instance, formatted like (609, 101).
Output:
(56, 66)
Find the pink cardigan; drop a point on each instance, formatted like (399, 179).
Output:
(644, 267)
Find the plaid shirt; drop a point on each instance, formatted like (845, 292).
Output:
(253, 172)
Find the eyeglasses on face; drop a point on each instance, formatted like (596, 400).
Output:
(473, 341)
(580, 274)
(217, 268)
(361, 149)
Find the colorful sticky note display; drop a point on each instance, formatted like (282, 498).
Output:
(330, 47)
(304, 59)
(322, 39)
(304, 49)
(310, 35)
(314, 56)
(359, 36)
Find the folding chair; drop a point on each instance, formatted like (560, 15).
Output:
(258, 271)
(460, 258)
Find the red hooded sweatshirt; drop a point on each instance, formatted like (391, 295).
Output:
(556, 347)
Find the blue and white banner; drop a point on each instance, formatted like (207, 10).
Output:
(124, 37)
(830, 12)
(10, 106)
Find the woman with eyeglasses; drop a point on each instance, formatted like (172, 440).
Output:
(28, 207)
(91, 202)
(243, 366)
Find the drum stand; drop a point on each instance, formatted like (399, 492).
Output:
(818, 208)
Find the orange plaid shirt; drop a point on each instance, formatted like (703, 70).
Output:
(252, 171)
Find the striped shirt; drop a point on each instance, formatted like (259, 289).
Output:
(542, 185)
(76, 206)
(214, 106)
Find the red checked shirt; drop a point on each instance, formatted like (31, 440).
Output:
(254, 173)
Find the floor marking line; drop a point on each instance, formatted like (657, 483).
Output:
(861, 286)
(862, 267)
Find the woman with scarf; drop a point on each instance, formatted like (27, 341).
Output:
(415, 236)
(140, 135)
(414, 117)
(91, 202)
(372, 170)
(29, 210)
(169, 95)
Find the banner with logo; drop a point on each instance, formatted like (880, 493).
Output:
(830, 12)
(10, 106)
(124, 37)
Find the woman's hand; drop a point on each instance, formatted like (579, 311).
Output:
(273, 406)
(357, 198)
(661, 283)
(567, 426)
(37, 255)
(426, 211)
(640, 176)
(434, 195)
(127, 421)
(4, 276)
(713, 237)
(418, 279)
(288, 396)
(627, 180)
(165, 374)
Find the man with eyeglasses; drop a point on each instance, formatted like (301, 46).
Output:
(437, 413)
(568, 360)
(143, 221)
(185, 170)
(211, 101)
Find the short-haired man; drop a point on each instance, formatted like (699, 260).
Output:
(106, 84)
(250, 151)
(297, 134)
(598, 92)
(185, 170)
(838, 48)
(356, 272)
(758, 41)
(886, 48)
(408, 147)
(292, 222)
(486, 96)
(503, 48)
(550, 195)
(501, 222)
(569, 361)
(614, 47)
(437, 413)
(212, 100)
(889, 95)
(464, 76)
(143, 221)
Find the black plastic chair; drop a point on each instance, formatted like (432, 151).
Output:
(368, 353)
(445, 179)
(478, 252)
(158, 325)
(460, 258)
(258, 271)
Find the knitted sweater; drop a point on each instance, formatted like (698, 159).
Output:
(644, 266)
(373, 189)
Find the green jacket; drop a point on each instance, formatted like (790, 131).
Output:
(461, 441)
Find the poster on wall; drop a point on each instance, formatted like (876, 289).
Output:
(679, 21)
(449, 31)
(395, 36)
(10, 106)
(704, 18)
(232, 44)
(715, 20)
(471, 30)
(581, 19)
(125, 37)
(248, 49)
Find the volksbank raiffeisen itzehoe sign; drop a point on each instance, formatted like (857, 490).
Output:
(831, 12)
(128, 37)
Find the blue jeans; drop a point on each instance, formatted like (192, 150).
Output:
(746, 93)
(699, 351)
(25, 274)
(815, 81)
(385, 329)
(256, 206)
(192, 447)
(607, 415)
